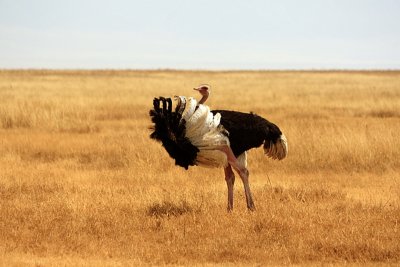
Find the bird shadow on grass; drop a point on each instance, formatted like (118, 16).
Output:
(168, 209)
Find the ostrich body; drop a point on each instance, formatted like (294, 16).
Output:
(192, 134)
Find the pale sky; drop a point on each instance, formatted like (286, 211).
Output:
(201, 34)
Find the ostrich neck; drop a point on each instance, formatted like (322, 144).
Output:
(203, 99)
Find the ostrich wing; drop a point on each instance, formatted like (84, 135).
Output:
(248, 130)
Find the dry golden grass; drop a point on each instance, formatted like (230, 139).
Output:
(82, 184)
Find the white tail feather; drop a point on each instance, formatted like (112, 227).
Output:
(279, 150)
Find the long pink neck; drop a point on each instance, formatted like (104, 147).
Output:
(203, 99)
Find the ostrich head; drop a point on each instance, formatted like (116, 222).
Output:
(204, 89)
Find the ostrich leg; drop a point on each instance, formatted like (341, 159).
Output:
(230, 180)
(249, 198)
(244, 175)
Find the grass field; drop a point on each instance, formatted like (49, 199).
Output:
(81, 183)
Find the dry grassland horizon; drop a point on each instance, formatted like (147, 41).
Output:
(81, 183)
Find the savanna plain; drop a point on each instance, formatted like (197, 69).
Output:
(82, 184)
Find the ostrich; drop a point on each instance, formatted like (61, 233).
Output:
(193, 134)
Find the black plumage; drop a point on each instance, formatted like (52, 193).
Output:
(245, 131)
(248, 130)
(170, 130)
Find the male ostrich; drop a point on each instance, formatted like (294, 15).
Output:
(194, 135)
